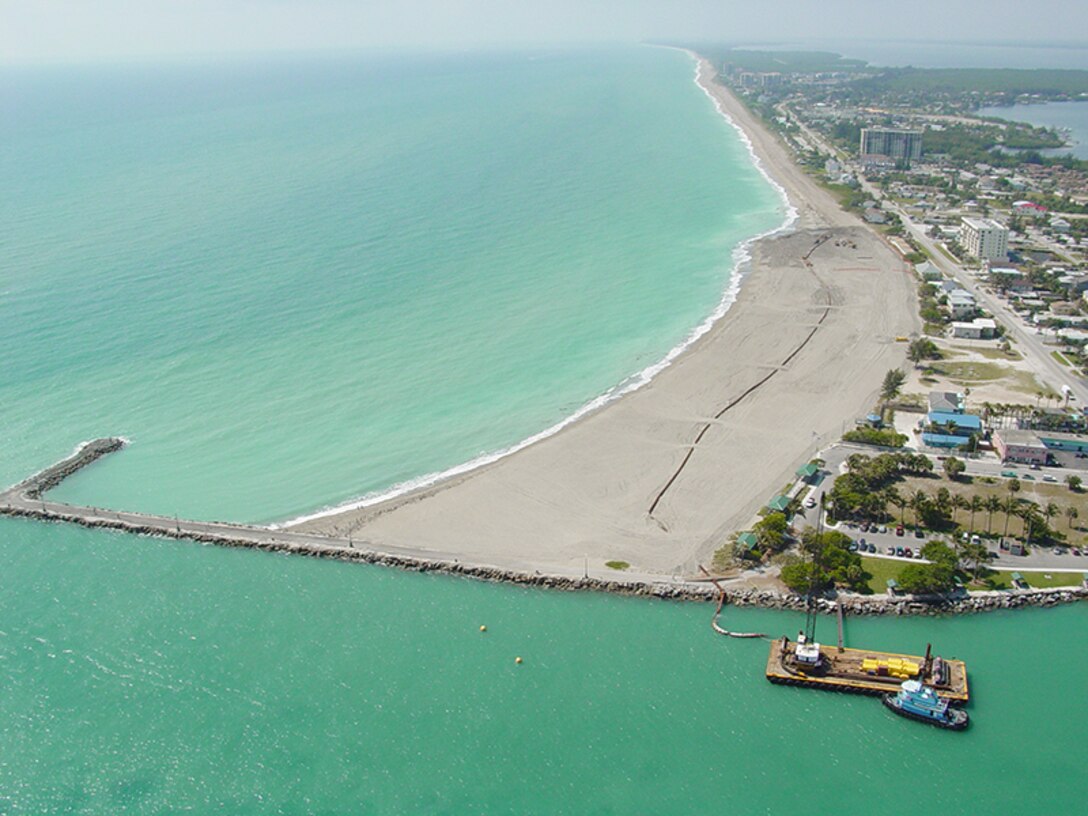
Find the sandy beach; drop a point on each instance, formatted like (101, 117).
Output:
(662, 476)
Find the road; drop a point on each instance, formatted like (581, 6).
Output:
(1028, 343)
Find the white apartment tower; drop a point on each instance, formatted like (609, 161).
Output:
(985, 239)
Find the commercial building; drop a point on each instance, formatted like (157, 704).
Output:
(985, 239)
(901, 145)
(1020, 446)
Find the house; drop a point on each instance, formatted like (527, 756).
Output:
(946, 402)
(981, 328)
(1020, 446)
(1029, 208)
(962, 304)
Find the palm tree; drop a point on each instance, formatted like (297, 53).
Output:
(1009, 504)
(1071, 514)
(1050, 511)
(956, 503)
(993, 504)
(974, 506)
(918, 503)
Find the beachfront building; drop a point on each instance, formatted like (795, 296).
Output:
(898, 145)
(946, 402)
(962, 304)
(1020, 446)
(950, 430)
(981, 328)
(985, 239)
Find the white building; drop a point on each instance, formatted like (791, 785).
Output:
(987, 240)
(962, 304)
(981, 328)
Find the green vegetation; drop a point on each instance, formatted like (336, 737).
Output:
(971, 372)
(617, 565)
(923, 349)
(1010, 81)
(1057, 355)
(937, 576)
(866, 488)
(954, 467)
(886, 438)
(1002, 579)
(893, 383)
(829, 560)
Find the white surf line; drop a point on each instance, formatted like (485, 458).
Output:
(741, 257)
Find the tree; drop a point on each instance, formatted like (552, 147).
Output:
(893, 382)
(976, 554)
(1049, 512)
(940, 553)
(918, 503)
(953, 467)
(960, 503)
(922, 349)
(1071, 514)
(993, 504)
(1074, 483)
(926, 578)
(770, 531)
(976, 504)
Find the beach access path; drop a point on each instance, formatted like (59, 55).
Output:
(662, 476)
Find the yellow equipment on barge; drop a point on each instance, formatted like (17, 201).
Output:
(857, 671)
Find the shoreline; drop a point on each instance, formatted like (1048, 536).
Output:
(661, 477)
(593, 480)
(741, 257)
(852, 604)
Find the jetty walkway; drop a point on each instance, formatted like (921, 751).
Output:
(27, 500)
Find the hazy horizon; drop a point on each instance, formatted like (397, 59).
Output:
(63, 31)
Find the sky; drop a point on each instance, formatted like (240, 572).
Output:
(35, 31)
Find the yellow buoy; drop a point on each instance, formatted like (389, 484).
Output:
(483, 628)
(517, 660)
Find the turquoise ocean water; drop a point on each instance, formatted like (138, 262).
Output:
(276, 279)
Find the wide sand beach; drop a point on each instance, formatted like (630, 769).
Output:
(660, 477)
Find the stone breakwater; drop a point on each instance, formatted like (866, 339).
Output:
(260, 539)
(85, 454)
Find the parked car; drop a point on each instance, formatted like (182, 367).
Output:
(810, 502)
(1048, 478)
(918, 533)
(853, 546)
(899, 530)
(918, 554)
(899, 551)
(907, 552)
(891, 550)
(883, 528)
(1075, 551)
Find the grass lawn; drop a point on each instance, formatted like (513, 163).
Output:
(880, 570)
(994, 353)
(1002, 579)
(968, 372)
(1057, 355)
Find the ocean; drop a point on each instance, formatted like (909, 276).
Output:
(301, 281)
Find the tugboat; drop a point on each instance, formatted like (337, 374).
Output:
(918, 702)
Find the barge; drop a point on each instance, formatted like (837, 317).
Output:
(859, 671)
